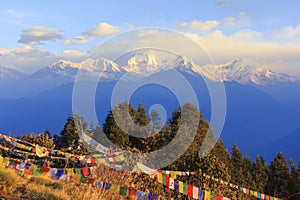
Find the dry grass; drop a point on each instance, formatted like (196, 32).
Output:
(14, 187)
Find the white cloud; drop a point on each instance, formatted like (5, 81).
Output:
(16, 22)
(288, 33)
(39, 34)
(222, 3)
(71, 55)
(28, 59)
(75, 40)
(199, 25)
(230, 21)
(249, 44)
(242, 20)
(102, 30)
(128, 25)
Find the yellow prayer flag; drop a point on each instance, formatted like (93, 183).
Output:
(172, 174)
(27, 176)
(122, 158)
(206, 195)
(255, 193)
(180, 184)
(115, 189)
(46, 175)
(70, 172)
(159, 178)
(2, 164)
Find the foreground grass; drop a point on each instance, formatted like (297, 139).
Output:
(14, 187)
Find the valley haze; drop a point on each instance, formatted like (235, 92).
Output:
(262, 104)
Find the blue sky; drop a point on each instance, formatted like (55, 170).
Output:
(35, 33)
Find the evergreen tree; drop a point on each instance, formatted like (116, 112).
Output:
(69, 137)
(248, 172)
(260, 174)
(279, 177)
(221, 153)
(44, 139)
(29, 138)
(115, 134)
(155, 120)
(237, 166)
(141, 117)
(293, 184)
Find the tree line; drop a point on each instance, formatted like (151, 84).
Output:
(280, 178)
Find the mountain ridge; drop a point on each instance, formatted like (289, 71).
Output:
(243, 71)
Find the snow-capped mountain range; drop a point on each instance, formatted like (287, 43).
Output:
(144, 64)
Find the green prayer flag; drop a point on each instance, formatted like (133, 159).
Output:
(83, 179)
(212, 195)
(123, 191)
(164, 181)
(185, 188)
(36, 173)
(77, 170)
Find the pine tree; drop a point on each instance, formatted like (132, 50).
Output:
(29, 138)
(237, 166)
(141, 117)
(221, 153)
(155, 120)
(260, 174)
(69, 137)
(44, 139)
(248, 172)
(279, 177)
(115, 134)
(293, 184)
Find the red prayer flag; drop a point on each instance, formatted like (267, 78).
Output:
(91, 181)
(45, 169)
(190, 191)
(93, 160)
(27, 171)
(167, 181)
(85, 171)
(131, 192)
(219, 197)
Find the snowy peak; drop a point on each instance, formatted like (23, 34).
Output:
(247, 71)
(91, 65)
(243, 71)
(7, 74)
(109, 66)
(142, 63)
(62, 64)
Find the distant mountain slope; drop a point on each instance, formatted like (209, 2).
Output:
(262, 105)
(253, 118)
(7, 74)
(289, 145)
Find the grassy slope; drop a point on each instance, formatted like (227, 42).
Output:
(15, 187)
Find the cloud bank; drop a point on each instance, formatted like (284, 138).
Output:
(102, 30)
(39, 35)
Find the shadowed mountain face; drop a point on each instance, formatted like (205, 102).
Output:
(262, 106)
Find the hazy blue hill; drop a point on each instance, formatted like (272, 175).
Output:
(289, 145)
(253, 117)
